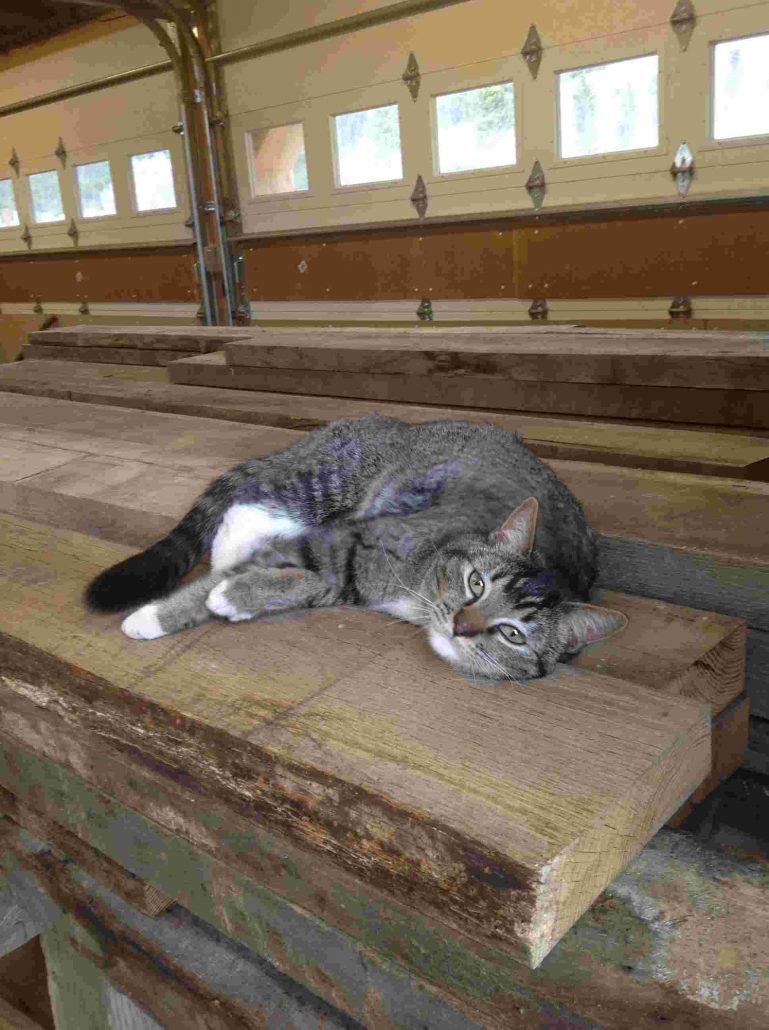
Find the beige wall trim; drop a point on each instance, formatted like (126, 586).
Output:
(493, 310)
(327, 30)
(153, 312)
(83, 88)
(404, 9)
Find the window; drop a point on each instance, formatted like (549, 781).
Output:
(94, 184)
(741, 88)
(609, 107)
(45, 191)
(153, 180)
(476, 128)
(277, 160)
(368, 146)
(9, 215)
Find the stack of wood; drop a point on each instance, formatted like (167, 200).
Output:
(289, 783)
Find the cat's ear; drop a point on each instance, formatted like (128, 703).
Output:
(584, 624)
(518, 529)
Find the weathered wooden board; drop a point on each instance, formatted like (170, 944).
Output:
(110, 355)
(679, 404)
(193, 339)
(732, 454)
(180, 970)
(729, 742)
(642, 953)
(325, 721)
(703, 361)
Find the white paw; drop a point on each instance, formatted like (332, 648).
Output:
(143, 624)
(217, 603)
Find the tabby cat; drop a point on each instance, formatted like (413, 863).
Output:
(413, 520)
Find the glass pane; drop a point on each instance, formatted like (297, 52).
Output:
(47, 205)
(94, 183)
(368, 146)
(741, 88)
(476, 128)
(153, 180)
(278, 162)
(8, 213)
(609, 107)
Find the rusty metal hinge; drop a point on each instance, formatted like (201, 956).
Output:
(531, 51)
(425, 310)
(73, 231)
(61, 152)
(680, 308)
(27, 236)
(411, 76)
(538, 310)
(536, 186)
(682, 168)
(14, 161)
(419, 197)
(682, 21)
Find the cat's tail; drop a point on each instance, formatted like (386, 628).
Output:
(152, 573)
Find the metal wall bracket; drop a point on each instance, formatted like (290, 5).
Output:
(682, 21)
(411, 76)
(680, 308)
(425, 310)
(419, 197)
(37, 307)
(73, 232)
(682, 169)
(61, 152)
(536, 186)
(538, 310)
(531, 51)
(178, 128)
(27, 236)
(14, 161)
(84, 309)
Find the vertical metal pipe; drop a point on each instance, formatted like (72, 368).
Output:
(209, 309)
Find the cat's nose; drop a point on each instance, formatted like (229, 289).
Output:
(467, 626)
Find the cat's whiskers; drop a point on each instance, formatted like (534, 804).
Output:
(428, 602)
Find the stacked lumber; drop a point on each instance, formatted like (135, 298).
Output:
(701, 378)
(732, 455)
(125, 345)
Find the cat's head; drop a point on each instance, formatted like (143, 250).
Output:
(497, 611)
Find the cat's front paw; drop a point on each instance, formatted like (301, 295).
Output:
(218, 603)
(143, 624)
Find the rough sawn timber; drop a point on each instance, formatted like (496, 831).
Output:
(504, 819)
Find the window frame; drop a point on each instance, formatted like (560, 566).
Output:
(515, 166)
(93, 219)
(154, 211)
(710, 96)
(13, 178)
(47, 223)
(286, 194)
(608, 154)
(368, 185)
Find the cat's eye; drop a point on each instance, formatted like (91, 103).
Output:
(475, 583)
(511, 633)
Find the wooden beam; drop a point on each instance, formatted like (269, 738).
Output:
(352, 728)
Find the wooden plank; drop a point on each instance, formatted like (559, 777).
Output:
(574, 356)
(192, 339)
(728, 744)
(385, 969)
(716, 407)
(477, 774)
(110, 355)
(182, 972)
(731, 455)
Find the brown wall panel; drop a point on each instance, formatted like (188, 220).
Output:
(632, 255)
(165, 274)
(448, 261)
(710, 254)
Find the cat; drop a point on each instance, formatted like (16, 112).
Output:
(433, 523)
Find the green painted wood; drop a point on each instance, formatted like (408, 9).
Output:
(77, 984)
(632, 954)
